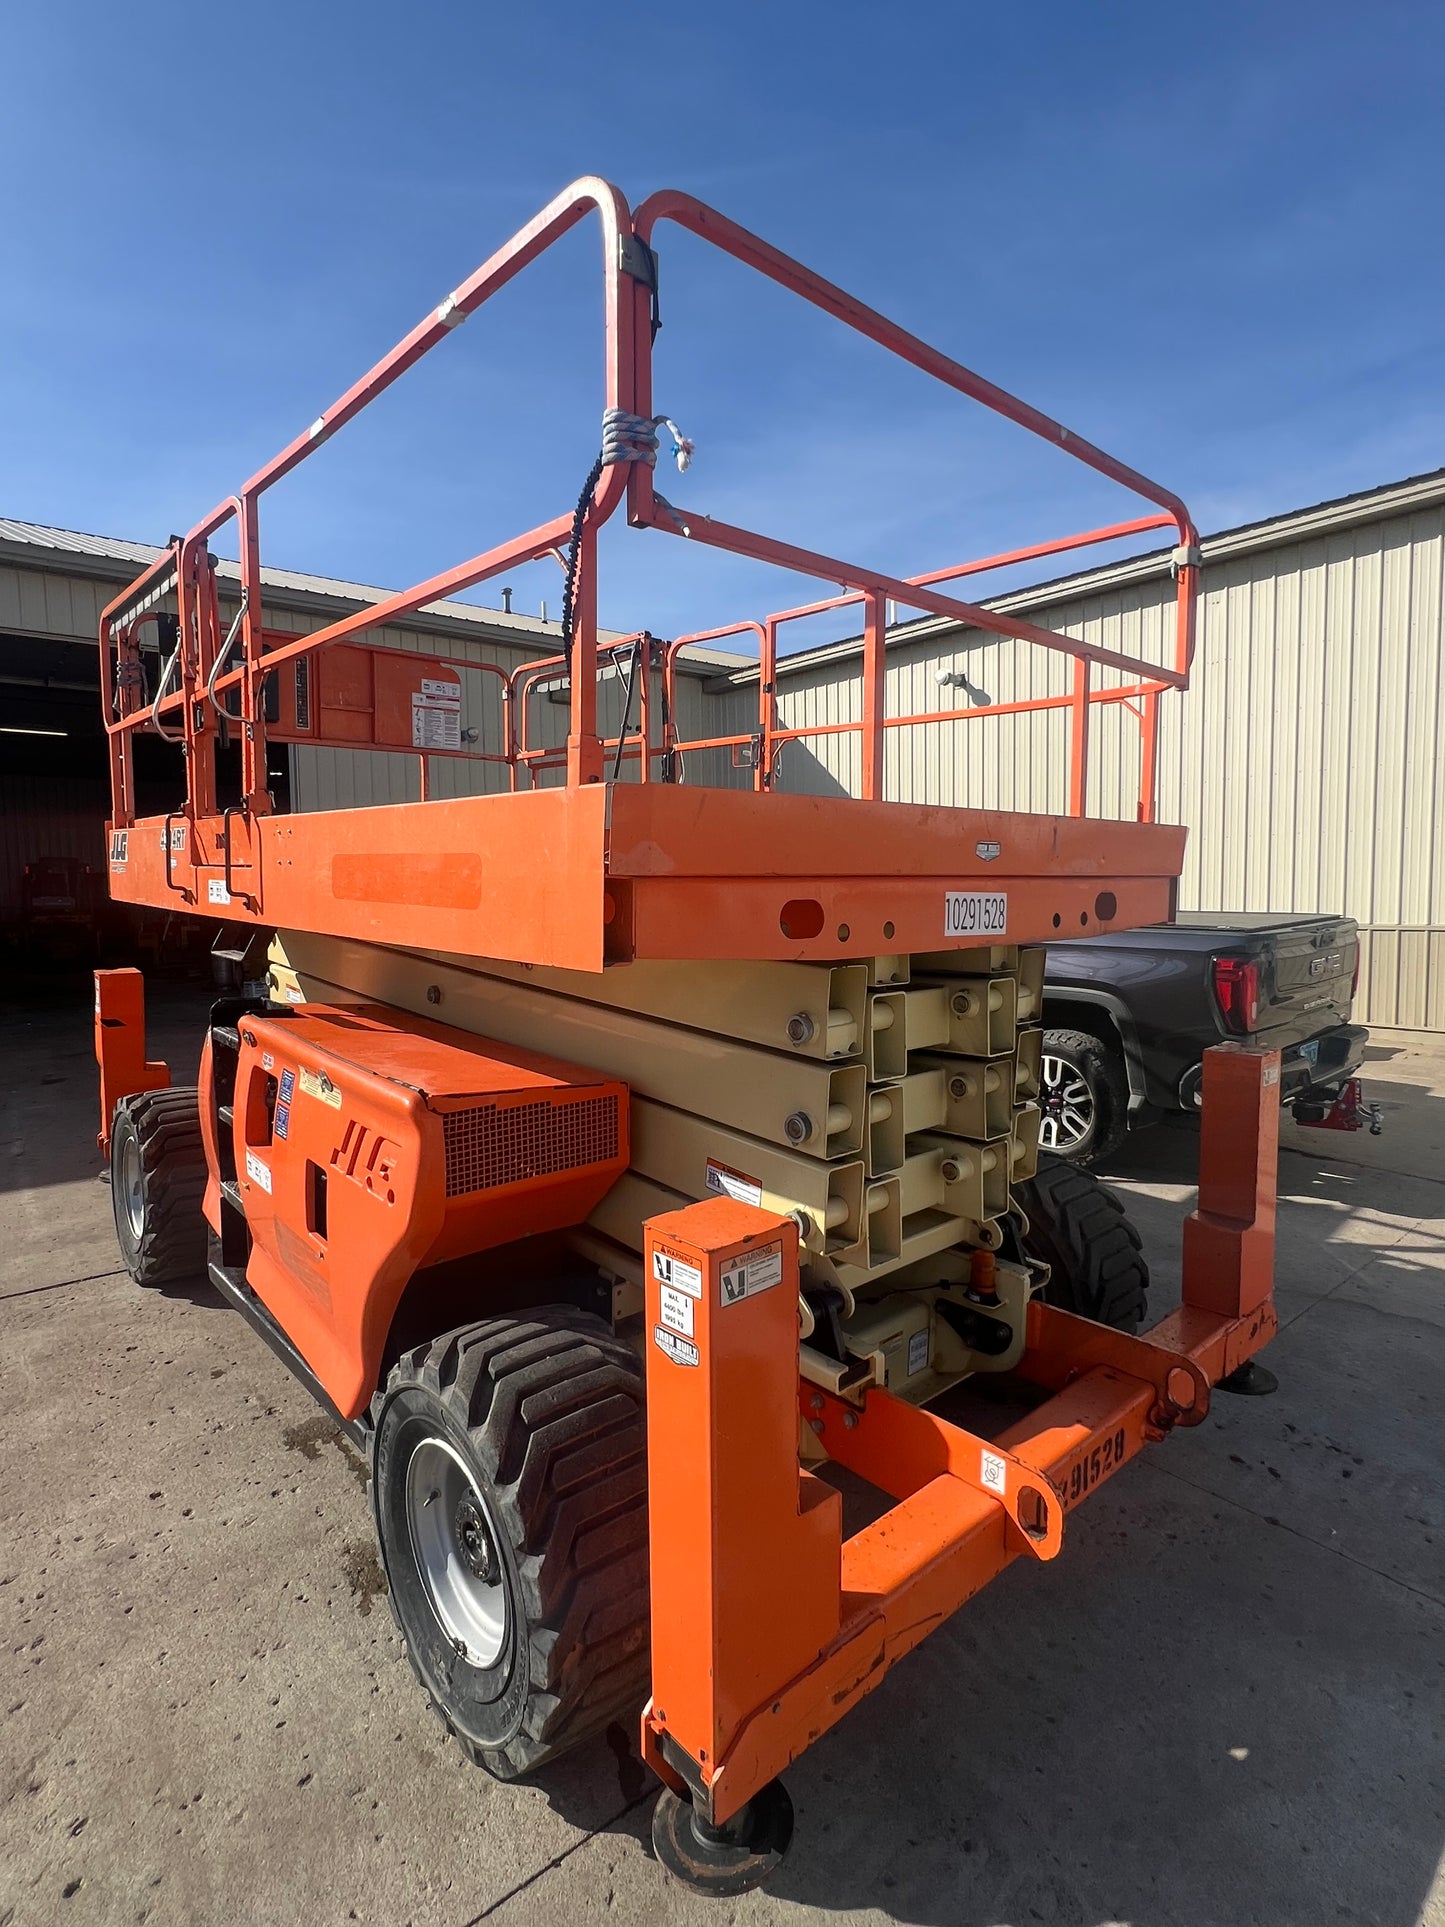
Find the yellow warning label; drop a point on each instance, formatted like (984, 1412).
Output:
(318, 1084)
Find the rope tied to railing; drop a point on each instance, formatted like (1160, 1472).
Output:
(626, 438)
(633, 438)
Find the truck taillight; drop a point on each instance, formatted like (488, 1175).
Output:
(1236, 985)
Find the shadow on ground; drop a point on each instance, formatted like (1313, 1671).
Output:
(1220, 1707)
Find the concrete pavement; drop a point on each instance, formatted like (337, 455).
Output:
(1223, 1704)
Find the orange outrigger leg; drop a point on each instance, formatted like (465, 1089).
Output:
(767, 1625)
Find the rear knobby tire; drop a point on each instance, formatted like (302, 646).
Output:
(524, 1610)
(158, 1186)
(1094, 1254)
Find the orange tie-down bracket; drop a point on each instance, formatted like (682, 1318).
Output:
(120, 1046)
(767, 1625)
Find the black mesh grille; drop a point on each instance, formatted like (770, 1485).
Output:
(502, 1144)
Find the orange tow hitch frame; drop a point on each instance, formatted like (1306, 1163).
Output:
(621, 1070)
(120, 1045)
(767, 1624)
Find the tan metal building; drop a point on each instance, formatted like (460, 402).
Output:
(1306, 757)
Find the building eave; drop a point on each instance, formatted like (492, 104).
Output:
(1300, 525)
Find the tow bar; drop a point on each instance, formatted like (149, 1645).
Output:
(1348, 1112)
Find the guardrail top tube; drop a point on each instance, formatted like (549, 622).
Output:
(709, 225)
(620, 306)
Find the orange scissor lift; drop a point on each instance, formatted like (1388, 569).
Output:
(524, 1098)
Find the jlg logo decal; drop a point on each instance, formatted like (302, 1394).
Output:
(119, 840)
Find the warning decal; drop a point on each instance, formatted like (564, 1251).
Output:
(994, 1473)
(216, 891)
(435, 727)
(751, 1272)
(258, 1172)
(318, 1084)
(677, 1271)
(728, 1183)
(436, 715)
(681, 1351)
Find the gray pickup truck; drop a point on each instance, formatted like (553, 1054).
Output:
(1128, 1017)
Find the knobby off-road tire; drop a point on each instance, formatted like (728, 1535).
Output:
(158, 1185)
(1094, 1254)
(1085, 1097)
(509, 1492)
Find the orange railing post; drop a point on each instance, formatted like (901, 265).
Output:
(875, 671)
(1079, 741)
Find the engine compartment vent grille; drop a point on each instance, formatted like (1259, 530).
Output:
(496, 1144)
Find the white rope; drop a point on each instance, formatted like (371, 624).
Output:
(633, 438)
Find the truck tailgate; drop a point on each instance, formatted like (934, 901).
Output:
(1308, 982)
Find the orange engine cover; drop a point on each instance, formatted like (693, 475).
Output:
(368, 1143)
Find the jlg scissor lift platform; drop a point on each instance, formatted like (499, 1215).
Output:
(615, 1159)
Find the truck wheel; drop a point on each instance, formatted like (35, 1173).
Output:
(1094, 1254)
(509, 1492)
(158, 1185)
(1084, 1099)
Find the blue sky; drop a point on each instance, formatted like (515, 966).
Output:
(1207, 238)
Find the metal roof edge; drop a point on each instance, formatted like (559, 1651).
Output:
(1323, 518)
(295, 592)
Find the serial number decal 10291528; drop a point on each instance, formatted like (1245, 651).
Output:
(975, 913)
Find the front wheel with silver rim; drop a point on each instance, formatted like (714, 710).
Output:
(1083, 1097)
(158, 1186)
(509, 1496)
(454, 1541)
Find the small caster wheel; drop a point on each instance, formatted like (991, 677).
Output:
(1249, 1380)
(730, 1859)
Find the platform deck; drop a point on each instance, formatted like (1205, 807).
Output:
(611, 873)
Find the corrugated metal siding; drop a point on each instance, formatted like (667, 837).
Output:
(33, 602)
(1305, 757)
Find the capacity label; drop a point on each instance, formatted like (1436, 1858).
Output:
(975, 913)
(675, 1310)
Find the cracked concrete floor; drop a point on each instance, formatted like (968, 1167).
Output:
(1224, 1704)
